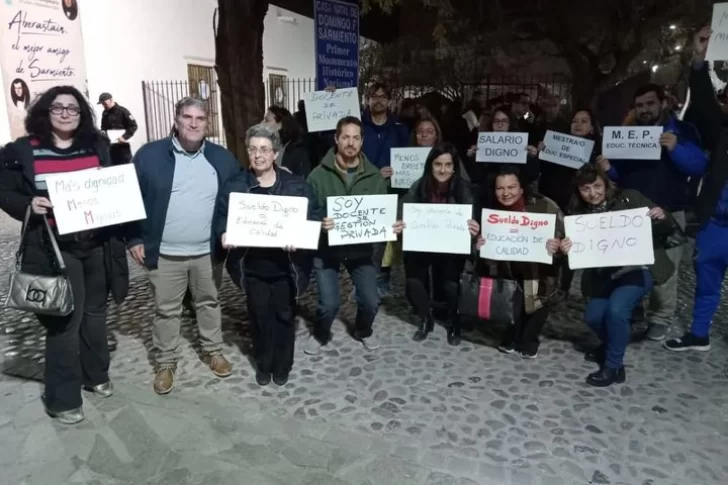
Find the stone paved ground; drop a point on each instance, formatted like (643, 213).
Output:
(410, 413)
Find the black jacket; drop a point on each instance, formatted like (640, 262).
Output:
(119, 118)
(296, 158)
(288, 185)
(17, 189)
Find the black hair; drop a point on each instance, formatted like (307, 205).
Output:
(38, 121)
(290, 129)
(348, 120)
(505, 170)
(586, 175)
(428, 184)
(649, 88)
(25, 99)
(376, 87)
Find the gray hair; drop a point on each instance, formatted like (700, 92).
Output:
(187, 103)
(262, 130)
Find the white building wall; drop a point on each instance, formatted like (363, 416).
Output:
(128, 41)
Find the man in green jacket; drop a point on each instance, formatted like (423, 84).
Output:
(345, 170)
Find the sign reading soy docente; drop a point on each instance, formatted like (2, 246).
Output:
(502, 147)
(632, 142)
(360, 219)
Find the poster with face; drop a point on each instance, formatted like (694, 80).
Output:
(41, 46)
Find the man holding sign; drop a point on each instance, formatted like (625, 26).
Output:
(346, 171)
(664, 181)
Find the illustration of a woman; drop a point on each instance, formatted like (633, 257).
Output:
(70, 8)
(19, 102)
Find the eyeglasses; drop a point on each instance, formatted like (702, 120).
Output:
(261, 150)
(426, 132)
(71, 110)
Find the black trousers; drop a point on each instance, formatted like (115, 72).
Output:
(120, 153)
(77, 352)
(525, 333)
(272, 310)
(446, 271)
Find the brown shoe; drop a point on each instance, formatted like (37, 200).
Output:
(219, 365)
(164, 380)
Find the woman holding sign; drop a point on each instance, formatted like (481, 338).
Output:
(273, 277)
(540, 282)
(440, 184)
(62, 139)
(614, 292)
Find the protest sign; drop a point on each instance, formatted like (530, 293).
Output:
(408, 165)
(610, 239)
(567, 150)
(718, 45)
(632, 142)
(303, 235)
(521, 236)
(502, 147)
(90, 199)
(267, 221)
(324, 109)
(360, 219)
(437, 228)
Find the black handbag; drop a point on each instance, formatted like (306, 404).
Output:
(495, 300)
(44, 295)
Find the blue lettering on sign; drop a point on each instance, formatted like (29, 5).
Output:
(336, 27)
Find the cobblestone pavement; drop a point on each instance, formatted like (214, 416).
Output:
(409, 413)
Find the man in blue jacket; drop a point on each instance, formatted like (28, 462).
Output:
(665, 182)
(711, 243)
(180, 179)
(382, 132)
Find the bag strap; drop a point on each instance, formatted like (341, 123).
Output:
(51, 236)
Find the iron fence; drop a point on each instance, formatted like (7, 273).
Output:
(161, 96)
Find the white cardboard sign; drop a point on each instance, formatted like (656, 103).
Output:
(361, 219)
(324, 109)
(437, 228)
(90, 199)
(718, 45)
(267, 221)
(502, 147)
(408, 165)
(567, 150)
(521, 236)
(632, 142)
(610, 239)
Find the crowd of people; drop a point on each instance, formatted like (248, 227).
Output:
(186, 182)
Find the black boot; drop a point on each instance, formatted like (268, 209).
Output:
(427, 325)
(453, 330)
(606, 377)
(598, 355)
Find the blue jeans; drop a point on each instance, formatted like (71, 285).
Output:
(711, 262)
(364, 277)
(609, 315)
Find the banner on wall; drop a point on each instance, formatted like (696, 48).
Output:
(41, 46)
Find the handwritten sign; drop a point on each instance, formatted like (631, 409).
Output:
(718, 45)
(408, 165)
(502, 147)
(610, 239)
(519, 236)
(437, 228)
(40, 47)
(567, 150)
(324, 109)
(632, 142)
(89, 199)
(361, 219)
(267, 221)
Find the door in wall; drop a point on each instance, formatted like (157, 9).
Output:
(203, 85)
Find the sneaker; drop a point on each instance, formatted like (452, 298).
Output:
(262, 378)
(688, 342)
(507, 348)
(102, 390)
(164, 380)
(219, 365)
(371, 342)
(312, 346)
(529, 354)
(280, 380)
(657, 332)
(73, 416)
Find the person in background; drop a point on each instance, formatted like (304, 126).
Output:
(613, 293)
(407, 113)
(116, 117)
(344, 171)
(540, 282)
(62, 139)
(181, 178)
(292, 155)
(273, 278)
(664, 181)
(710, 259)
(382, 131)
(550, 118)
(441, 183)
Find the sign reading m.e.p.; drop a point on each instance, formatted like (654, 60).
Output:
(632, 142)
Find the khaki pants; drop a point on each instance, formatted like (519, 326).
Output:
(174, 274)
(663, 299)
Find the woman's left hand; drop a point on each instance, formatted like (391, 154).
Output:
(398, 226)
(656, 213)
(532, 150)
(289, 249)
(552, 246)
(473, 227)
